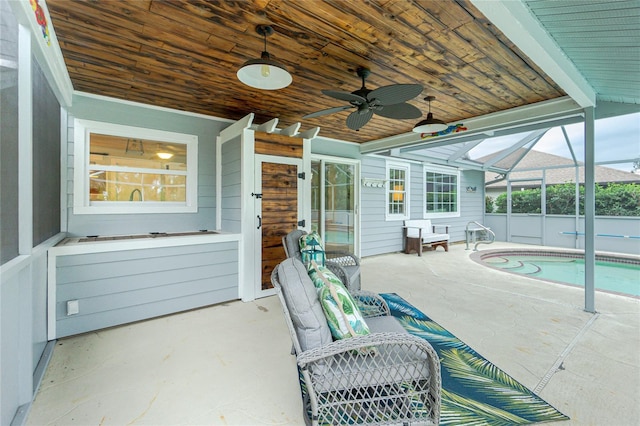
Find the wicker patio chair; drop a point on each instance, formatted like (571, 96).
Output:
(386, 377)
(345, 265)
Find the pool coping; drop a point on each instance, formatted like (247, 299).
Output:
(623, 258)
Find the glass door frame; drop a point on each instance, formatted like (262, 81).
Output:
(324, 159)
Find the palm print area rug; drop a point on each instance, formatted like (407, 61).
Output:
(474, 391)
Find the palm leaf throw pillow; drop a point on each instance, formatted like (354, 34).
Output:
(343, 314)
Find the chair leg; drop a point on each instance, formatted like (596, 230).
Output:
(443, 244)
(412, 244)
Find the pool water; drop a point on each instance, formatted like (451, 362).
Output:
(609, 276)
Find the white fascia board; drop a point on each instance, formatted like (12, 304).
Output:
(539, 112)
(516, 21)
(46, 49)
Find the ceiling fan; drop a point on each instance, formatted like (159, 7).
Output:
(387, 101)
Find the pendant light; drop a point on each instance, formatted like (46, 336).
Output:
(264, 73)
(430, 124)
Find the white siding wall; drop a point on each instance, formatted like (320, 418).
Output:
(231, 176)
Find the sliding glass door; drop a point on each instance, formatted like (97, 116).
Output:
(334, 202)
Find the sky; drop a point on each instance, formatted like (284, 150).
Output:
(616, 138)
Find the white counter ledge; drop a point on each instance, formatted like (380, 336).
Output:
(105, 243)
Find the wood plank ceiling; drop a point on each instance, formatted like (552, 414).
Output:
(185, 54)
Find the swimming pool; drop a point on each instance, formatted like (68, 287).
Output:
(613, 274)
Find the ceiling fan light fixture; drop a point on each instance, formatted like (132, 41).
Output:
(430, 124)
(264, 73)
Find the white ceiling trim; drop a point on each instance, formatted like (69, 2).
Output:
(517, 22)
(515, 118)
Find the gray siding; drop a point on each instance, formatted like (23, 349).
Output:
(381, 236)
(231, 176)
(132, 115)
(378, 235)
(130, 285)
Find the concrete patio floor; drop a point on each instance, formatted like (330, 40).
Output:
(230, 363)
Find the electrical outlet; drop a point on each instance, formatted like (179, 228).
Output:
(73, 307)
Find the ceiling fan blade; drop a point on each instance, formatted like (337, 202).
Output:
(395, 93)
(357, 119)
(345, 96)
(399, 111)
(328, 111)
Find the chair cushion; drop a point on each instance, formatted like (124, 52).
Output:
(428, 236)
(385, 324)
(342, 312)
(312, 248)
(291, 243)
(304, 307)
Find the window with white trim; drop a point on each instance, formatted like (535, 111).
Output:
(125, 169)
(442, 192)
(397, 191)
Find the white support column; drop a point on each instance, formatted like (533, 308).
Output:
(543, 205)
(589, 210)
(509, 194)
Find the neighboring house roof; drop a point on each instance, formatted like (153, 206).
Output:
(534, 162)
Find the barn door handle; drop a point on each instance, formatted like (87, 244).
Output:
(259, 222)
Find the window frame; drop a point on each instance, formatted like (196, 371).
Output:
(397, 165)
(444, 171)
(81, 202)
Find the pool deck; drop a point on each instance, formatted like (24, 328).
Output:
(230, 363)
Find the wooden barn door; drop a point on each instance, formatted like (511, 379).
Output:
(278, 210)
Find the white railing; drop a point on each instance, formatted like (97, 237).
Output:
(472, 234)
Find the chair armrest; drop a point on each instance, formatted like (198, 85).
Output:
(446, 227)
(371, 304)
(346, 347)
(339, 271)
(342, 274)
(342, 258)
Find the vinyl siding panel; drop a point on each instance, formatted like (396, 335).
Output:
(118, 287)
(378, 235)
(231, 176)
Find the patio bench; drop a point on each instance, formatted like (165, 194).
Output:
(419, 232)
